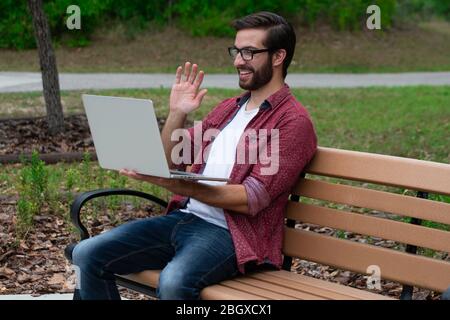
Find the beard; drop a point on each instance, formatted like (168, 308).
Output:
(258, 78)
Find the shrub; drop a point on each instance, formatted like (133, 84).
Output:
(33, 192)
(34, 181)
(199, 17)
(16, 28)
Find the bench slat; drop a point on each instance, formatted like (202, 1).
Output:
(276, 281)
(148, 277)
(394, 265)
(382, 169)
(274, 287)
(255, 290)
(306, 287)
(373, 226)
(374, 199)
(298, 285)
(216, 292)
(321, 287)
(220, 292)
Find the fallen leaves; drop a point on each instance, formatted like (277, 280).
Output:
(36, 265)
(57, 279)
(25, 135)
(6, 272)
(6, 255)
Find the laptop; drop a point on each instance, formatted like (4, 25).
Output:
(126, 136)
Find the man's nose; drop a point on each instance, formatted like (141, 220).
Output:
(238, 61)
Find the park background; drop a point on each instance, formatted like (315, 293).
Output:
(119, 36)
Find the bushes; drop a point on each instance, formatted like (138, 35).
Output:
(213, 17)
(199, 17)
(424, 9)
(16, 28)
(344, 14)
(203, 17)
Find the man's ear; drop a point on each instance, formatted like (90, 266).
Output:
(278, 57)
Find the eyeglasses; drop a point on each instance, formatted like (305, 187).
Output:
(246, 54)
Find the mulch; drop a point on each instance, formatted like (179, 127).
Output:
(36, 264)
(25, 135)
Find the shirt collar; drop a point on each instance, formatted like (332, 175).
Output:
(271, 102)
(242, 99)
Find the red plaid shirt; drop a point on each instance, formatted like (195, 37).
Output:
(259, 236)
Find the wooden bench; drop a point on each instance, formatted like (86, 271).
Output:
(308, 205)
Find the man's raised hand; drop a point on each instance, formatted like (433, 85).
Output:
(185, 95)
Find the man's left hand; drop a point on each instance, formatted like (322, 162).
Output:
(177, 186)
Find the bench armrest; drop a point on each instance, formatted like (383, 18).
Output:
(79, 201)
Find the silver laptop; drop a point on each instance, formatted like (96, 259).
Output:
(126, 136)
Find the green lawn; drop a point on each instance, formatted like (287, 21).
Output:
(410, 122)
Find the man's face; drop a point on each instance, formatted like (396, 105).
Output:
(257, 72)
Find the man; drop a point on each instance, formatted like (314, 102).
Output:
(214, 231)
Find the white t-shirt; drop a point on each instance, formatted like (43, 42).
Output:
(220, 162)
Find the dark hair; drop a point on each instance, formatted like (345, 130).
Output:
(280, 34)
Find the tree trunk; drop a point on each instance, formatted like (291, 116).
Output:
(47, 59)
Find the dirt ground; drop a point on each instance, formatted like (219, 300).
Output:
(36, 264)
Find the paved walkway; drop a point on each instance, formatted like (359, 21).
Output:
(28, 81)
(55, 296)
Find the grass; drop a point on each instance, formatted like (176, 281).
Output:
(410, 122)
(403, 121)
(421, 47)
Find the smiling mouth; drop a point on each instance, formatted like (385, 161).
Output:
(244, 72)
(244, 75)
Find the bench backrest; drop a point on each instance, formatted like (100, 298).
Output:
(395, 265)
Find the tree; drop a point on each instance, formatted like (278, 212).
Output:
(47, 60)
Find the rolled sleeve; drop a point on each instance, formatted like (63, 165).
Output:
(257, 196)
(297, 146)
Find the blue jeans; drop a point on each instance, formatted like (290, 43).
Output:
(191, 252)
